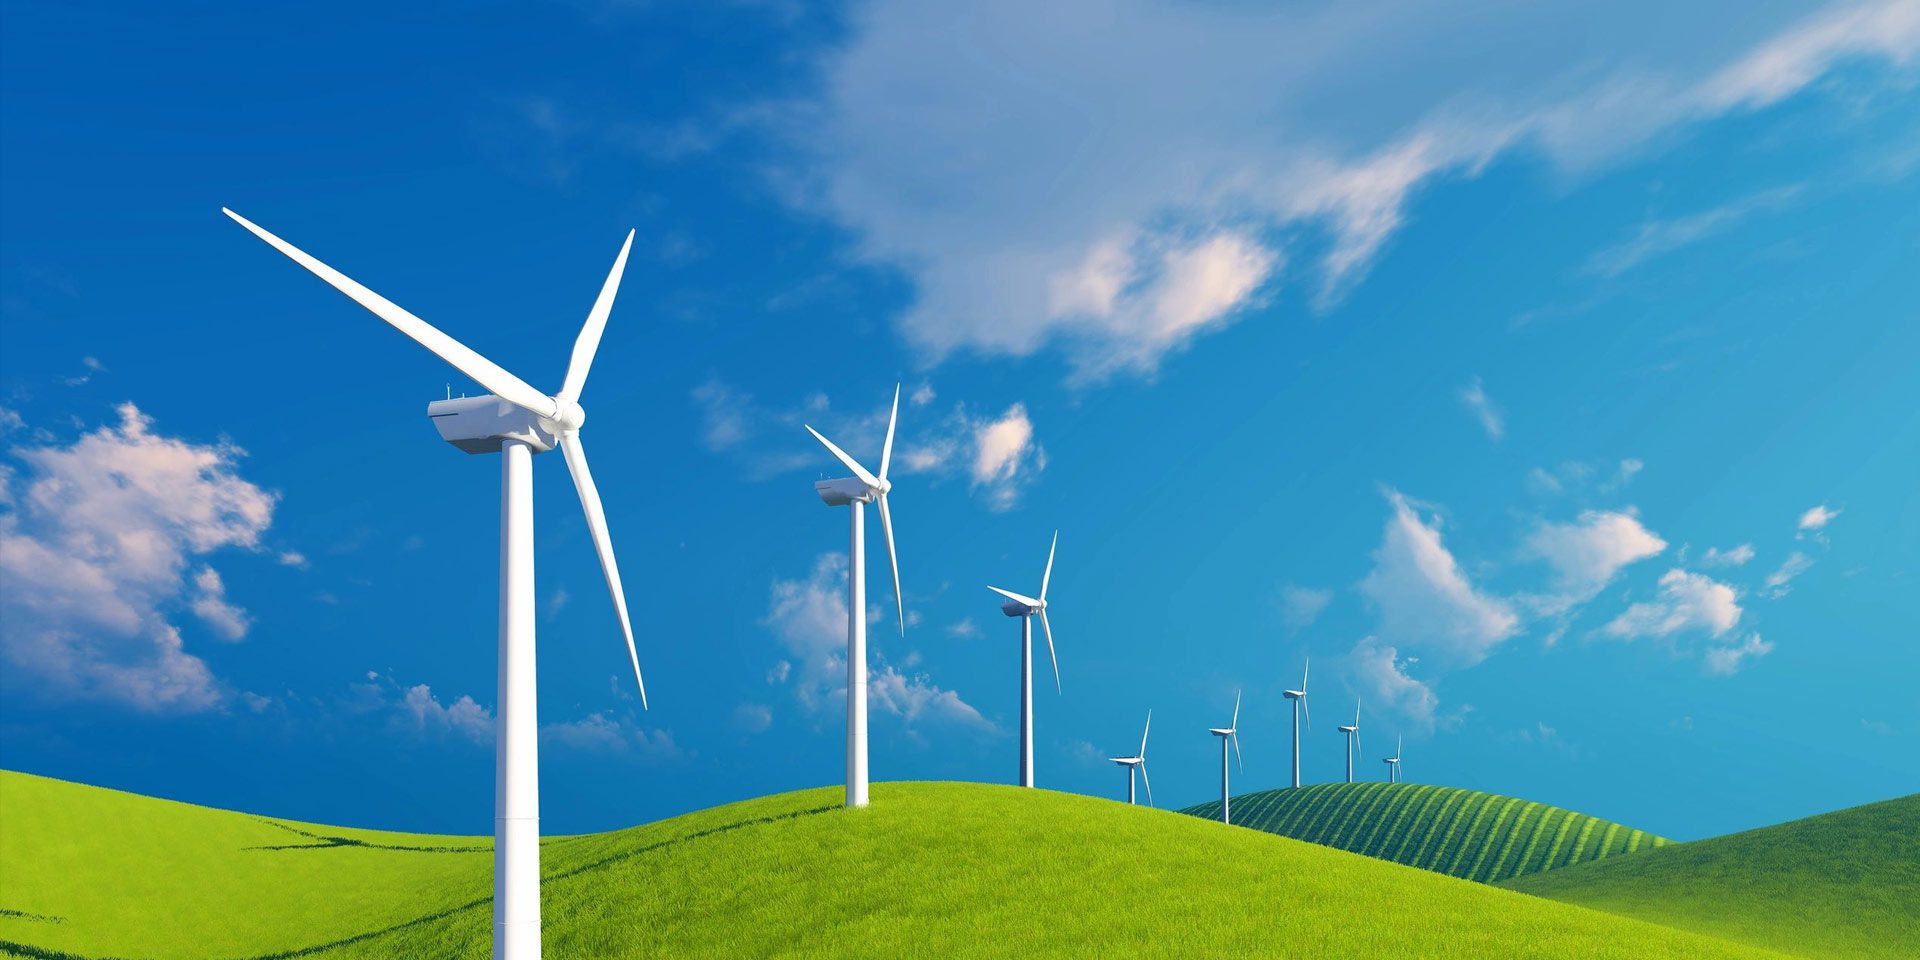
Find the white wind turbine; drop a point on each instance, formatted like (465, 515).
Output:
(1393, 763)
(1353, 738)
(856, 492)
(1299, 698)
(1229, 732)
(1025, 608)
(515, 421)
(1139, 761)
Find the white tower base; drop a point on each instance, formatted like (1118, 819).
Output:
(857, 659)
(516, 790)
(1224, 817)
(1026, 701)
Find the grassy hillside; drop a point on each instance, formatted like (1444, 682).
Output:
(1843, 884)
(931, 869)
(1461, 833)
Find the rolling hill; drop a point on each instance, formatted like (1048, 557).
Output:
(931, 869)
(1461, 833)
(1843, 884)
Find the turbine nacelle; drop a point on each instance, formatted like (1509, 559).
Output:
(480, 424)
(843, 490)
(1294, 694)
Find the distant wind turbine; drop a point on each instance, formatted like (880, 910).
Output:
(1138, 760)
(855, 493)
(1393, 763)
(516, 421)
(1299, 698)
(1025, 608)
(1353, 739)
(1229, 732)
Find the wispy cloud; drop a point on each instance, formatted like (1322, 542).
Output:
(1474, 395)
(1780, 581)
(1687, 602)
(1661, 236)
(1301, 606)
(1130, 210)
(1725, 661)
(1733, 557)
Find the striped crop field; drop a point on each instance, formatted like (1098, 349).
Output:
(1462, 833)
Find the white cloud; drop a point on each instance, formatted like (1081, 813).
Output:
(809, 618)
(600, 733)
(1053, 165)
(292, 558)
(424, 713)
(1817, 518)
(1301, 606)
(1687, 601)
(1006, 458)
(1474, 395)
(1735, 557)
(210, 604)
(1380, 672)
(1780, 581)
(1725, 661)
(1587, 553)
(1001, 456)
(1423, 598)
(94, 558)
(965, 627)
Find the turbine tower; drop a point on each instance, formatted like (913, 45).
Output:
(1229, 732)
(1393, 763)
(1138, 760)
(1353, 738)
(855, 493)
(1299, 698)
(516, 421)
(1025, 608)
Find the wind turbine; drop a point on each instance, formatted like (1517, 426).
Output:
(1299, 698)
(856, 492)
(1025, 608)
(516, 421)
(1229, 732)
(1393, 763)
(1138, 760)
(1353, 738)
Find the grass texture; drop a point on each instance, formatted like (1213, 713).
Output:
(1843, 884)
(1461, 833)
(946, 870)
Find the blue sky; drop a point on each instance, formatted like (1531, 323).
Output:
(1547, 375)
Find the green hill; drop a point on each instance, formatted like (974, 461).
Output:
(1844, 884)
(931, 869)
(1462, 833)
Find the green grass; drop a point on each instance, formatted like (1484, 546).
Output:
(1461, 833)
(931, 869)
(1844, 884)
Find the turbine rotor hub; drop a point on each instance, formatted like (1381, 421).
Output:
(569, 417)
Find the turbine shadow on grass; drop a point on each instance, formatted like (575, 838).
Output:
(43, 953)
(329, 842)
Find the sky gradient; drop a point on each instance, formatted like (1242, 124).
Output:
(1551, 377)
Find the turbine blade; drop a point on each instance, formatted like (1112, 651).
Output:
(1359, 753)
(1304, 712)
(1047, 577)
(1235, 725)
(841, 455)
(588, 343)
(485, 372)
(886, 450)
(1016, 598)
(1048, 628)
(1304, 665)
(1236, 751)
(1356, 713)
(1143, 736)
(886, 523)
(1146, 781)
(576, 455)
